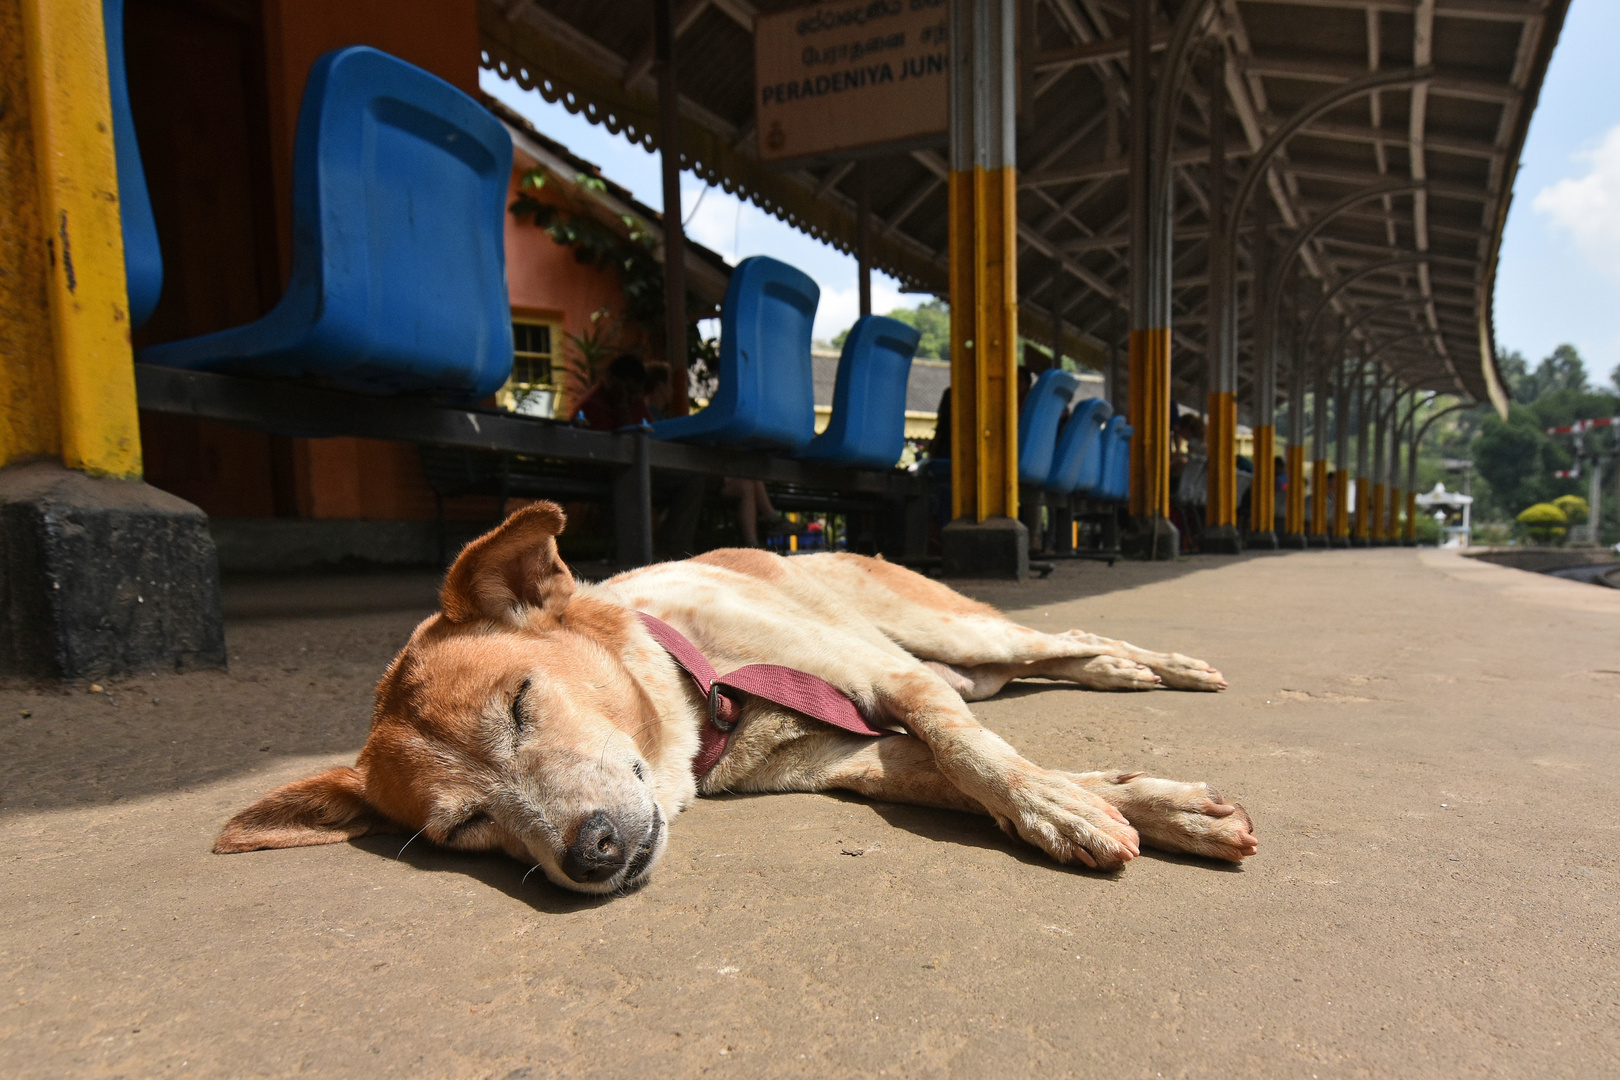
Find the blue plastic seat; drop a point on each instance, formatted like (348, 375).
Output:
(399, 259)
(1116, 461)
(1038, 423)
(868, 423)
(766, 396)
(1077, 462)
(143, 258)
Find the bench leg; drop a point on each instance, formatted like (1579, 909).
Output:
(1063, 525)
(632, 510)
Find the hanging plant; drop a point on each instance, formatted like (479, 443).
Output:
(629, 251)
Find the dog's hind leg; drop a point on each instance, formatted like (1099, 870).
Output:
(934, 623)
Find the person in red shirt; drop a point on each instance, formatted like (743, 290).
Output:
(619, 398)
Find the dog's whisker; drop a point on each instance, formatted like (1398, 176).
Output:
(525, 879)
(407, 844)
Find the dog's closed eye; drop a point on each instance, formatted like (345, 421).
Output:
(519, 701)
(463, 828)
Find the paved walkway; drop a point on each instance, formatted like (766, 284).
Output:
(1429, 748)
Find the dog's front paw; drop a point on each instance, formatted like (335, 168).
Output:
(1176, 816)
(1066, 821)
(1184, 673)
(1114, 673)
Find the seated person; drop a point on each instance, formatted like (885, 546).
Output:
(659, 390)
(754, 506)
(619, 398)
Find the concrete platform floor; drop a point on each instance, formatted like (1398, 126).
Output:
(1430, 749)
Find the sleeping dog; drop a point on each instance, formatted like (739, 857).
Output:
(554, 720)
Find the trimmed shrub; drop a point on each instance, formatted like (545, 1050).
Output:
(1544, 522)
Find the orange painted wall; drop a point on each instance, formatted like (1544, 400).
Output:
(545, 280)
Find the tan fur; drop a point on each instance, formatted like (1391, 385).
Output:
(533, 705)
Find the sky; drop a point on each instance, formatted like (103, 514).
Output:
(1559, 278)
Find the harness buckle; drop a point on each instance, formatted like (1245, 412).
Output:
(715, 696)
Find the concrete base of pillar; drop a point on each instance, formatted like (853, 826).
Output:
(100, 577)
(1358, 541)
(995, 548)
(1221, 540)
(1339, 542)
(1408, 541)
(1150, 538)
(1316, 540)
(1261, 541)
(1293, 541)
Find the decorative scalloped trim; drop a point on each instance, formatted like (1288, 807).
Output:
(596, 113)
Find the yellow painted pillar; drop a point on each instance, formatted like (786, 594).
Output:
(1263, 495)
(1375, 513)
(1341, 504)
(68, 376)
(1392, 526)
(1411, 515)
(1319, 497)
(1294, 512)
(1221, 434)
(1361, 507)
(1148, 412)
(984, 343)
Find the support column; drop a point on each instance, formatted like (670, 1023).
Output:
(1263, 495)
(1294, 512)
(985, 539)
(1148, 408)
(669, 160)
(1318, 535)
(100, 574)
(1342, 399)
(1392, 519)
(1379, 495)
(1358, 535)
(1221, 533)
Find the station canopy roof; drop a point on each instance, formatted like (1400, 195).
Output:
(1427, 169)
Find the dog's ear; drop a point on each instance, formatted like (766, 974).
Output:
(326, 808)
(513, 567)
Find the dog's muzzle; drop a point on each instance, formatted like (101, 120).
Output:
(604, 848)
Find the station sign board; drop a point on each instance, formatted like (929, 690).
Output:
(836, 79)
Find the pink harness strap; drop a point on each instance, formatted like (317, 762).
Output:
(797, 690)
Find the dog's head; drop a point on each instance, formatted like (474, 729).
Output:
(514, 720)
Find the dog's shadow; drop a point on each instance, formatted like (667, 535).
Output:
(496, 870)
(971, 830)
(938, 825)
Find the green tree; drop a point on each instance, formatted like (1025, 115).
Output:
(1514, 459)
(1508, 454)
(932, 319)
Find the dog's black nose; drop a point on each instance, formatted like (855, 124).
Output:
(598, 852)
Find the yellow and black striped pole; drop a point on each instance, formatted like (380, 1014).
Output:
(1148, 400)
(1294, 512)
(67, 382)
(985, 538)
(1220, 532)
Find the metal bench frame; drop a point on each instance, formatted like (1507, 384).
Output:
(305, 411)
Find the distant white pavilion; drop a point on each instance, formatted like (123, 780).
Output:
(1445, 504)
